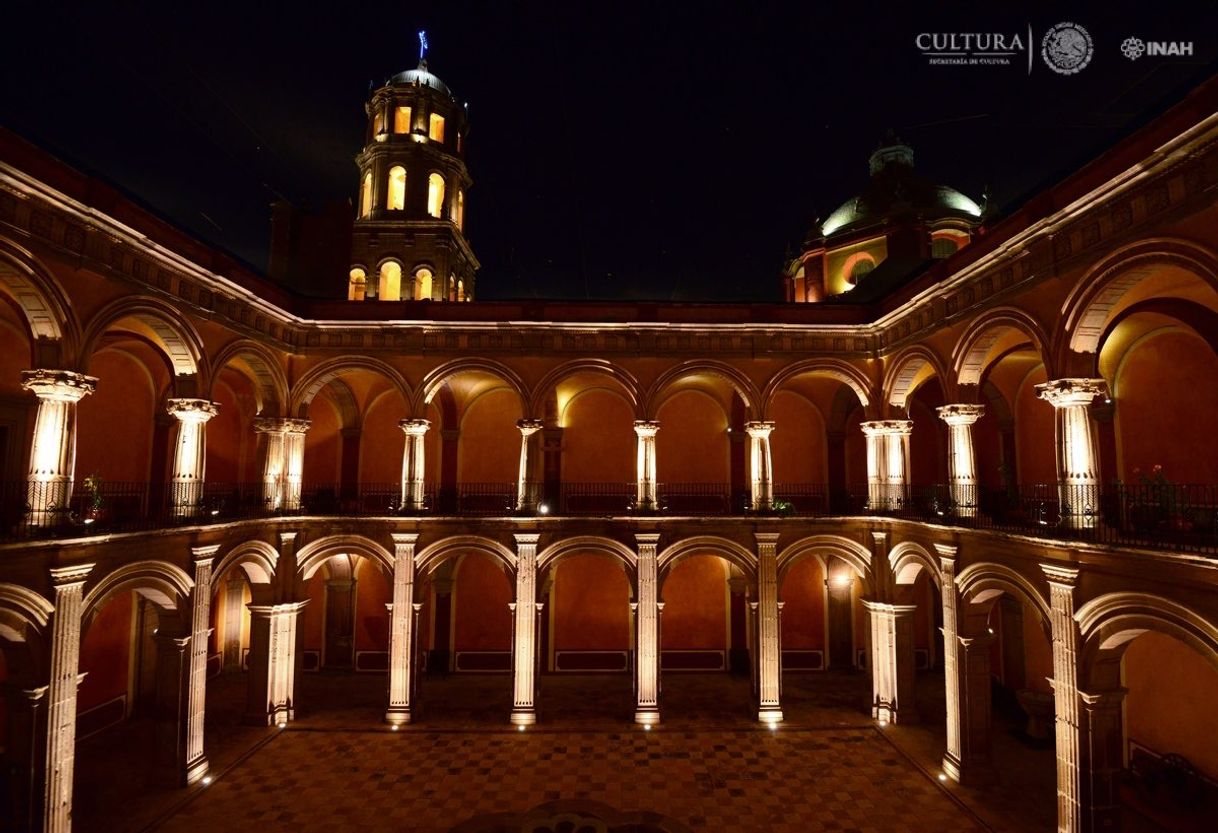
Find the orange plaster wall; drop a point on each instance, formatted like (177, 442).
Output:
(371, 616)
(1170, 705)
(231, 441)
(924, 598)
(382, 441)
(105, 652)
(797, 445)
(312, 619)
(803, 612)
(115, 423)
(14, 352)
(692, 446)
(591, 605)
(598, 440)
(928, 442)
(490, 440)
(987, 451)
(482, 594)
(1034, 441)
(695, 605)
(322, 443)
(856, 451)
(1167, 405)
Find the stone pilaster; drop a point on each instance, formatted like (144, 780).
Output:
(53, 453)
(647, 624)
(524, 641)
(272, 681)
(961, 462)
(761, 467)
(645, 431)
(768, 659)
(1062, 581)
(196, 765)
(401, 630)
(1078, 475)
(414, 469)
(892, 662)
(1103, 757)
(951, 660)
(528, 480)
(64, 671)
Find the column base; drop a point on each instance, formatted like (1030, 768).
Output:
(647, 716)
(770, 714)
(280, 717)
(398, 716)
(885, 713)
(196, 770)
(969, 774)
(524, 717)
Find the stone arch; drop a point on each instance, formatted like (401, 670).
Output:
(270, 382)
(837, 369)
(907, 559)
(162, 583)
(730, 551)
(43, 303)
(969, 354)
(22, 609)
(629, 384)
(436, 377)
(583, 544)
(1108, 624)
(308, 385)
(852, 552)
(905, 373)
(257, 560)
(983, 582)
(315, 553)
(166, 328)
(742, 384)
(430, 556)
(1086, 310)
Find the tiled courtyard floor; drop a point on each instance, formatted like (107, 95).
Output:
(710, 766)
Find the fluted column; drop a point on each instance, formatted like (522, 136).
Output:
(762, 494)
(401, 631)
(413, 464)
(647, 623)
(528, 483)
(273, 460)
(1062, 581)
(768, 683)
(892, 662)
(293, 462)
(887, 462)
(524, 641)
(53, 453)
(272, 681)
(951, 660)
(876, 456)
(646, 431)
(1078, 476)
(190, 453)
(961, 462)
(60, 760)
(200, 632)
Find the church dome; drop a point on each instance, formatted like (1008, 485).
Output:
(423, 76)
(895, 190)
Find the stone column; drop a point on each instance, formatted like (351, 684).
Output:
(272, 663)
(234, 598)
(952, 665)
(401, 631)
(64, 671)
(762, 494)
(1062, 581)
(768, 697)
(413, 470)
(961, 463)
(272, 461)
(876, 457)
(528, 480)
(887, 462)
(646, 430)
(293, 462)
(53, 453)
(1104, 760)
(1078, 475)
(196, 764)
(190, 454)
(524, 641)
(647, 639)
(892, 662)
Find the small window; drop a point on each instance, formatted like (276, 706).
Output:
(365, 196)
(461, 290)
(435, 195)
(378, 123)
(860, 270)
(391, 281)
(461, 209)
(460, 143)
(435, 130)
(401, 120)
(943, 247)
(397, 189)
(359, 285)
(422, 284)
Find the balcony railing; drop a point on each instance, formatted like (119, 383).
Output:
(1160, 516)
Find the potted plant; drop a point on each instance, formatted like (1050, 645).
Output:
(93, 498)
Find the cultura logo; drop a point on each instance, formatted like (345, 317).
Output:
(1067, 48)
(1133, 48)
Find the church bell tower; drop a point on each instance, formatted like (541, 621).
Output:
(408, 241)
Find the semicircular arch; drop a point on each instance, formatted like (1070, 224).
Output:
(972, 350)
(270, 382)
(624, 378)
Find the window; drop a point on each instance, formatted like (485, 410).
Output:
(365, 196)
(358, 286)
(401, 120)
(942, 247)
(378, 124)
(435, 129)
(397, 188)
(859, 270)
(460, 290)
(391, 281)
(452, 288)
(435, 195)
(461, 209)
(422, 284)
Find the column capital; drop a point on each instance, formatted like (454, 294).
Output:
(415, 427)
(203, 556)
(58, 385)
(281, 425)
(1065, 393)
(960, 414)
(191, 410)
(526, 538)
(759, 430)
(887, 427)
(947, 552)
(646, 427)
(529, 427)
(284, 609)
(647, 538)
(1060, 574)
(69, 576)
(405, 539)
(767, 538)
(1101, 700)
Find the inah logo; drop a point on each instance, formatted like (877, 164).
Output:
(1134, 48)
(1067, 48)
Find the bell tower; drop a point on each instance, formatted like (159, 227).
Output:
(408, 241)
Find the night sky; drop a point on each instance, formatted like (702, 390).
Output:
(618, 150)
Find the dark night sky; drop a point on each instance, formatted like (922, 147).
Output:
(624, 150)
